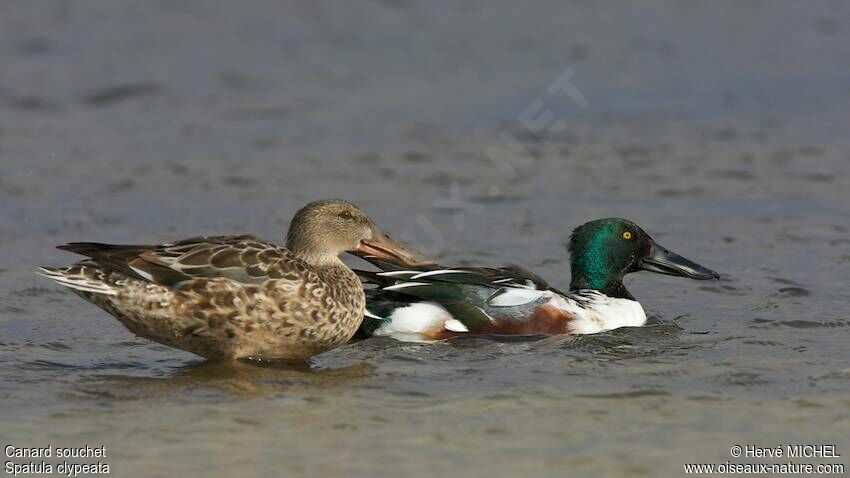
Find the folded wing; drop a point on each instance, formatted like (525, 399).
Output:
(240, 258)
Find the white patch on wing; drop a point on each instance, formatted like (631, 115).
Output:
(525, 284)
(513, 296)
(407, 323)
(405, 285)
(397, 273)
(371, 315)
(599, 312)
(437, 273)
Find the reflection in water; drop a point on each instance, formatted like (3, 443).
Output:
(244, 379)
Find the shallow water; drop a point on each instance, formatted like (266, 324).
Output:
(719, 128)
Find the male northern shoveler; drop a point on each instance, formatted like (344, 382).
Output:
(231, 297)
(432, 303)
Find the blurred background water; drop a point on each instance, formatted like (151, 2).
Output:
(718, 126)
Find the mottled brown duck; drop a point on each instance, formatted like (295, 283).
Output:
(233, 297)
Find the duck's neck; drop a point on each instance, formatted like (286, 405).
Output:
(594, 275)
(330, 268)
(320, 260)
(312, 252)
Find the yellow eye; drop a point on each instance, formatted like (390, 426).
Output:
(627, 235)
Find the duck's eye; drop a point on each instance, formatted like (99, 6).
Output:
(346, 215)
(627, 235)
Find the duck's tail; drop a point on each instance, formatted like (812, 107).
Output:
(81, 276)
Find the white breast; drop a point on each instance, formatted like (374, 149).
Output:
(600, 312)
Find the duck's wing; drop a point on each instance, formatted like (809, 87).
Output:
(462, 299)
(479, 286)
(414, 299)
(240, 258)
(509, 275)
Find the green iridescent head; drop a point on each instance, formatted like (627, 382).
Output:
(603, 251)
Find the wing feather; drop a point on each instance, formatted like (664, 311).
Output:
(470, 294)
(241, 258)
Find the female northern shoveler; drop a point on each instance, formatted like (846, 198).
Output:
(230, 297)
(429, 303)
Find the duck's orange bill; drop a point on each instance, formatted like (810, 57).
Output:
(384, 247)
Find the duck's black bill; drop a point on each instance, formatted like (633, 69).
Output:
(663, 261)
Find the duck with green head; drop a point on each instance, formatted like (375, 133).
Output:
(432, 303)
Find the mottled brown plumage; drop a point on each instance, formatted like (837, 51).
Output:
(230, 297)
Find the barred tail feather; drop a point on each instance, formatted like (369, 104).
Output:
(77, 280)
